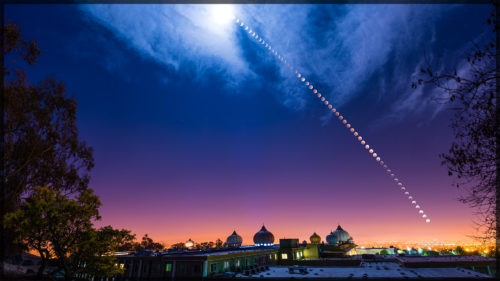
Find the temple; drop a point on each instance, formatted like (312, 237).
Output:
(266, 259)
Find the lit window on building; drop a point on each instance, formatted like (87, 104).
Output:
(237, 262)
(226, 264)
(284, 256)
(168, 267)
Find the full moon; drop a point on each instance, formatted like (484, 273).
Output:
(221, 14)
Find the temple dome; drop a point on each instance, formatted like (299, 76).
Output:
(233, 240)
(338, 237)
(315, 238)
(263, 237)
(332, 239)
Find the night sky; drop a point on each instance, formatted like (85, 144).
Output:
(197, 130)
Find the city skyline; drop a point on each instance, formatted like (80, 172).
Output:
(197, 132)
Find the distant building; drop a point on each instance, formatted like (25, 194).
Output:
(339, 237)
(192, 263)
(195, 264)
(189, 244)
(339, 244)
(235, 260)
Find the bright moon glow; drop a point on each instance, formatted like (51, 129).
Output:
(221, 14)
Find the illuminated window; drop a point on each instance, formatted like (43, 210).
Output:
(284, 256)
(168, 267)
(122, 265)
(226, 264)
(237, 262)
(298, 254)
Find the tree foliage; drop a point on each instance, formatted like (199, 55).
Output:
(41, 145)
(94, 254)
(59, 226)
(431, 253)
(177, 246)
(148, 244)
(459, 251)
(218, 243)
(384, 252)
(472, 157)
(47, 203)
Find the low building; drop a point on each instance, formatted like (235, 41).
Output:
(339, 244)
(376, 251)
(289, 250)
(191, 263)
(195, 264)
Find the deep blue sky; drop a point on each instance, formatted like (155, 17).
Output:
(190, 119)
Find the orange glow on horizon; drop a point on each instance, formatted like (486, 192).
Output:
(361, 234)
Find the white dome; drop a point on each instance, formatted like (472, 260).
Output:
(339, 236)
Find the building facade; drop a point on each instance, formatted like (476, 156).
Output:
(194, 264)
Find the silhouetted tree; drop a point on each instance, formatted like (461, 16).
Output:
(179, 245)
(59, 226)
(148, 244)
(40, 145)
(128, 246)
(472, 158)
(207, 245)
(218, 243)
(46, 200)
(459, 251)
(96, 251)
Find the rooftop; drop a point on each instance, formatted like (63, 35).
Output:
(369, 270)
(205, 252)
(444, 259)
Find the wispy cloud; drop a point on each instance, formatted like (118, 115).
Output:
(338, 47)
(177, 36)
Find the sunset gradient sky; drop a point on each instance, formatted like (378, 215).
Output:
(197, 131)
